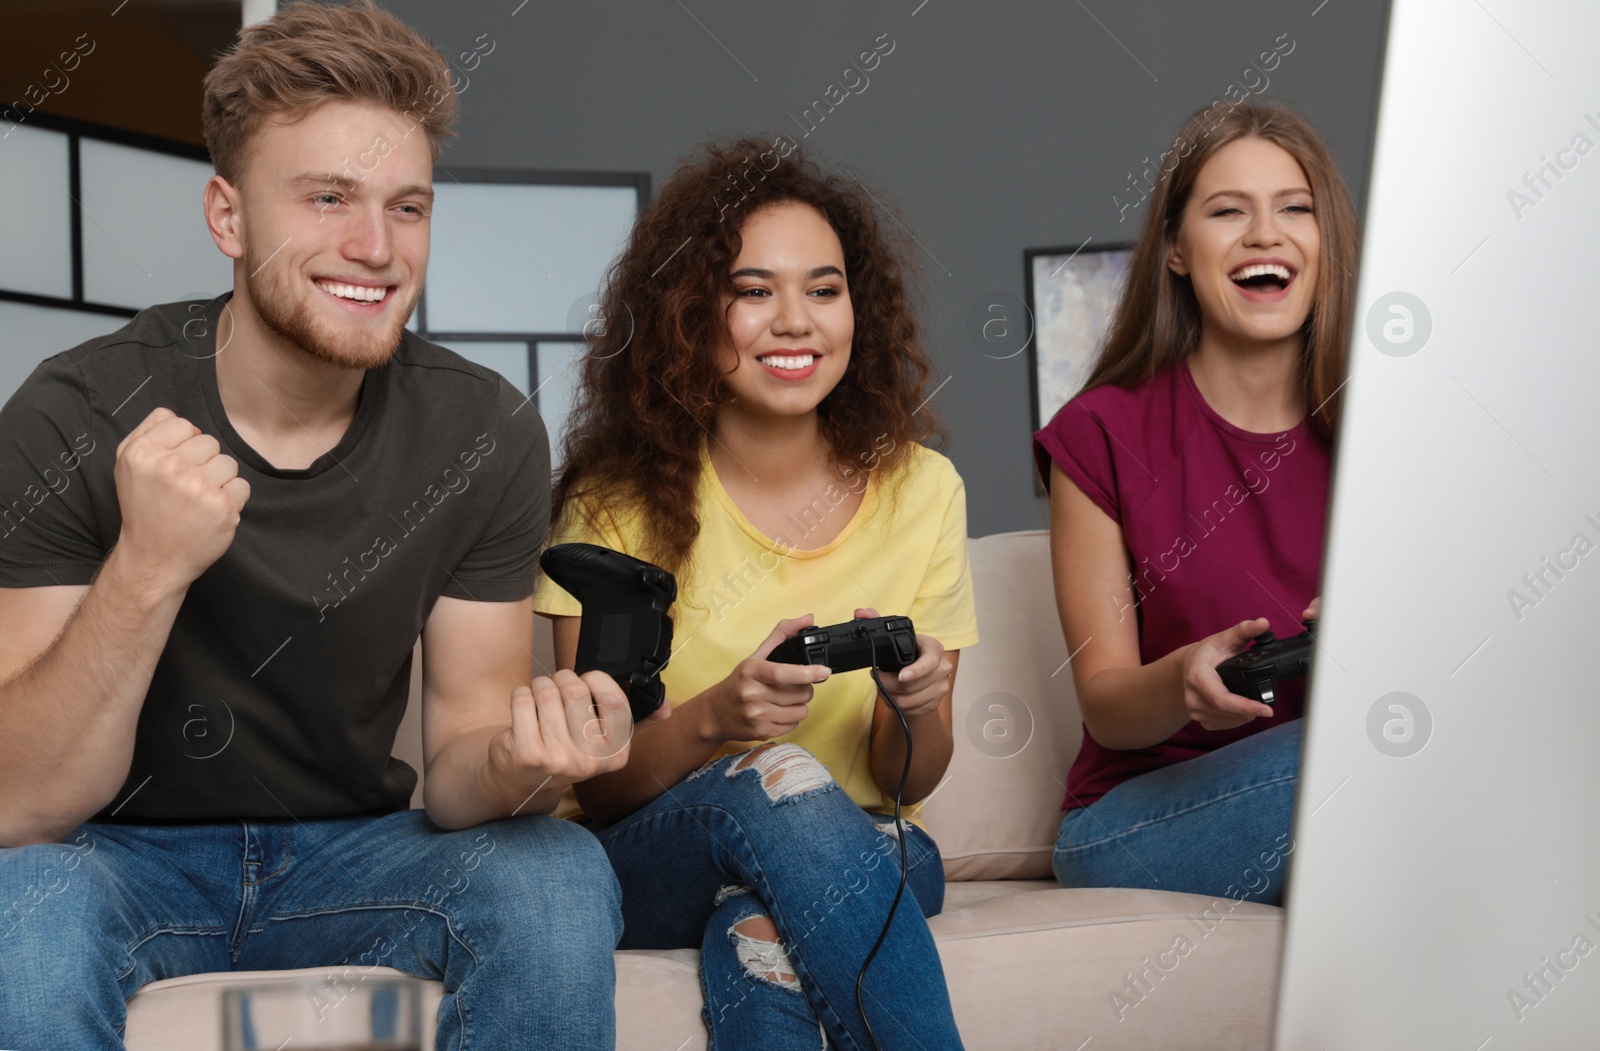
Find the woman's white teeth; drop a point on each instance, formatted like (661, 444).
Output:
(1245, 273)
(789, 362)
(360, 293)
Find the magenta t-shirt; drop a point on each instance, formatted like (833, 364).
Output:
(1222, 525)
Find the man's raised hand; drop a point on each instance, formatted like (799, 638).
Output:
(180, 497)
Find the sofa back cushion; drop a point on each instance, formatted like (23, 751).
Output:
(1017, 727)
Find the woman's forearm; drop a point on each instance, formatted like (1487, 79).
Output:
(661, 755)
(931, 747)
(1133, 708)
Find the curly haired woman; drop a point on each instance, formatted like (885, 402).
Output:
(752, 420)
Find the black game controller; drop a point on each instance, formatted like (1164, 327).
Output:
(1257, 671)
(625, 631)
(887, 643)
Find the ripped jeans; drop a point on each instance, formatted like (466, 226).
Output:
(763, 863)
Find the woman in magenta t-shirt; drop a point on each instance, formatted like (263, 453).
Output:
(1188, 491)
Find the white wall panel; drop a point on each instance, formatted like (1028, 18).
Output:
(144, 233)
(516, 257)
(559, 373)
(36, 221)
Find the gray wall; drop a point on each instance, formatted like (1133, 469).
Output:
(994, 126)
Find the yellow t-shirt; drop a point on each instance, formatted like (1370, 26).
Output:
(906, 556)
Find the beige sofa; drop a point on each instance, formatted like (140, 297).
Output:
(1030, 965)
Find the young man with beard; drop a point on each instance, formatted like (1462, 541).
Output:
(225, 527)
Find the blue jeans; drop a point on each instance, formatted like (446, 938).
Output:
(518, 918)
(1217, 824)
(767, 837)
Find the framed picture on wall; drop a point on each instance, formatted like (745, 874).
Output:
(1072, 294)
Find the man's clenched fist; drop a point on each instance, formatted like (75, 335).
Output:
(180, 498)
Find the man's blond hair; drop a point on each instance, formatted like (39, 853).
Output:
(308, 54)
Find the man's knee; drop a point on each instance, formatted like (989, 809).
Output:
(543, 871)
(54, 902)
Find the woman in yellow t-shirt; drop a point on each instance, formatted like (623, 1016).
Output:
(750, 418)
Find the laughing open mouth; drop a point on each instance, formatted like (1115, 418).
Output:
(1263, 277)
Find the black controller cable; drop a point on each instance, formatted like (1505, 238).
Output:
(900, 834)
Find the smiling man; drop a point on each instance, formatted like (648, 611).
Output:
(206, 633)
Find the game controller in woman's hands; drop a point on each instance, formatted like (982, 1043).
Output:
(1257, 671)
(888, 643)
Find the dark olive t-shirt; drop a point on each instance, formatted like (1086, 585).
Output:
(287, 670)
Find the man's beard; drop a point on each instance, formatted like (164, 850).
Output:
(295, 321)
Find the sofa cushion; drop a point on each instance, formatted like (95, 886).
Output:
(1017, 727)
(1029, 965)
(1044, 968)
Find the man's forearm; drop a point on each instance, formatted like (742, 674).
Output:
(464, 788)
(68, 719)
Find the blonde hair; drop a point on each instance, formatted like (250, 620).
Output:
(308, 54)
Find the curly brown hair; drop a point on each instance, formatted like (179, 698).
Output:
(307, 54)
(1157, 321)
(652, 384)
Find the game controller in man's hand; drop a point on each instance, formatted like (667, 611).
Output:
(625, 631)
(889, 643)
(1257, 671)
